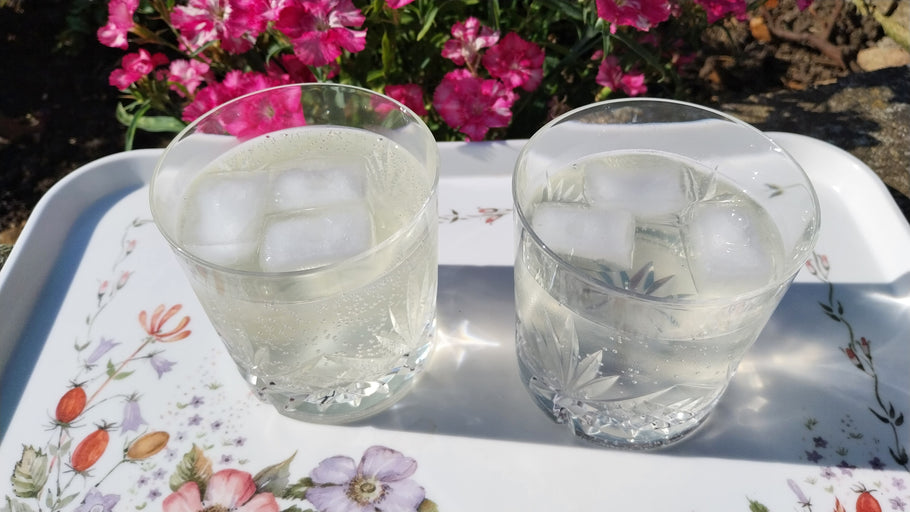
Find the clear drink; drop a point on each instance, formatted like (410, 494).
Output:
(313, 250)
(355, 330)
(645, 268)
(624, 369)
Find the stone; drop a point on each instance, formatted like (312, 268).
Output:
(886, 54)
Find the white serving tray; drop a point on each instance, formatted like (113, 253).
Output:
(800, 424)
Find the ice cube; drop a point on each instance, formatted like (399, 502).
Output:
(224, 208)
(319, 184)
(598, 234)
(731, 245)
(315, 237)
(646, 185)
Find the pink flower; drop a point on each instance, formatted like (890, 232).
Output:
(516, 62)
(135, 66)
(267, 112)
(187, 75)
(319, 29)
(473, 105)
(633, 84)
(803, 4)
(641, 14)
(611, 75)
(228, 490)
(234, 24)
(235, 84)
(719, 9)
(287, 69)
(119, 22)
(411, 95)
(397, 4)
(468, 38)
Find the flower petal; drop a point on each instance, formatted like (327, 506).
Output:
(402, 495)
(264, 502)
(230, 488)
(338, 470)
(386, 464)
(186, 499)
(334, 499)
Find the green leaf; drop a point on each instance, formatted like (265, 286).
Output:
(883, 419)
(30, 473)
(298, 490)
(388, 54)
(274, 478)
(67, 500)
(193, 467)
(427, 506)
(111, 369)
(16, 506)
(428, 23)
(122, 375)
(149, 123)
(755, 506)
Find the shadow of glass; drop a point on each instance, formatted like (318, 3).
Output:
(796, 397)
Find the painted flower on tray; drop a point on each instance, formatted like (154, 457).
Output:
(381, 482)
(154, 326)
(132, 416)
(228, 490)
(96, 502)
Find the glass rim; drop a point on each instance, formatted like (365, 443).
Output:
(788, 272)
(414, 219)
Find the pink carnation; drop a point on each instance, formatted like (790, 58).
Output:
(135, 66)
(119, 22)
(411, 95)
(265, 113)
(288, 69)
(473, 105)
(187, 75)
(234, 24)
(397, 4)
(641, 14)
(516, 62)
(235, 84)
(320, 29)
(720, 9)
(468, 38)
(611, 75)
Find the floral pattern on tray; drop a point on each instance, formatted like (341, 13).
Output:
(67, 472)
(132, 369)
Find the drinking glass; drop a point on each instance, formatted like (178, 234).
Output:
(654, 240)
(305, 218)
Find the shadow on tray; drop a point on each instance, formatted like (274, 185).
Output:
(797, 396)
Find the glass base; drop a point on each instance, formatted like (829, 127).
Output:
(351, 402)
(616, 427)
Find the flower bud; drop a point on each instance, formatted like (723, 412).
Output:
(147, 445)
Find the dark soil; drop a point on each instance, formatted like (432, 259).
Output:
(57, 109)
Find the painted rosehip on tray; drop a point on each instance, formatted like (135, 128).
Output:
(473, 70)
